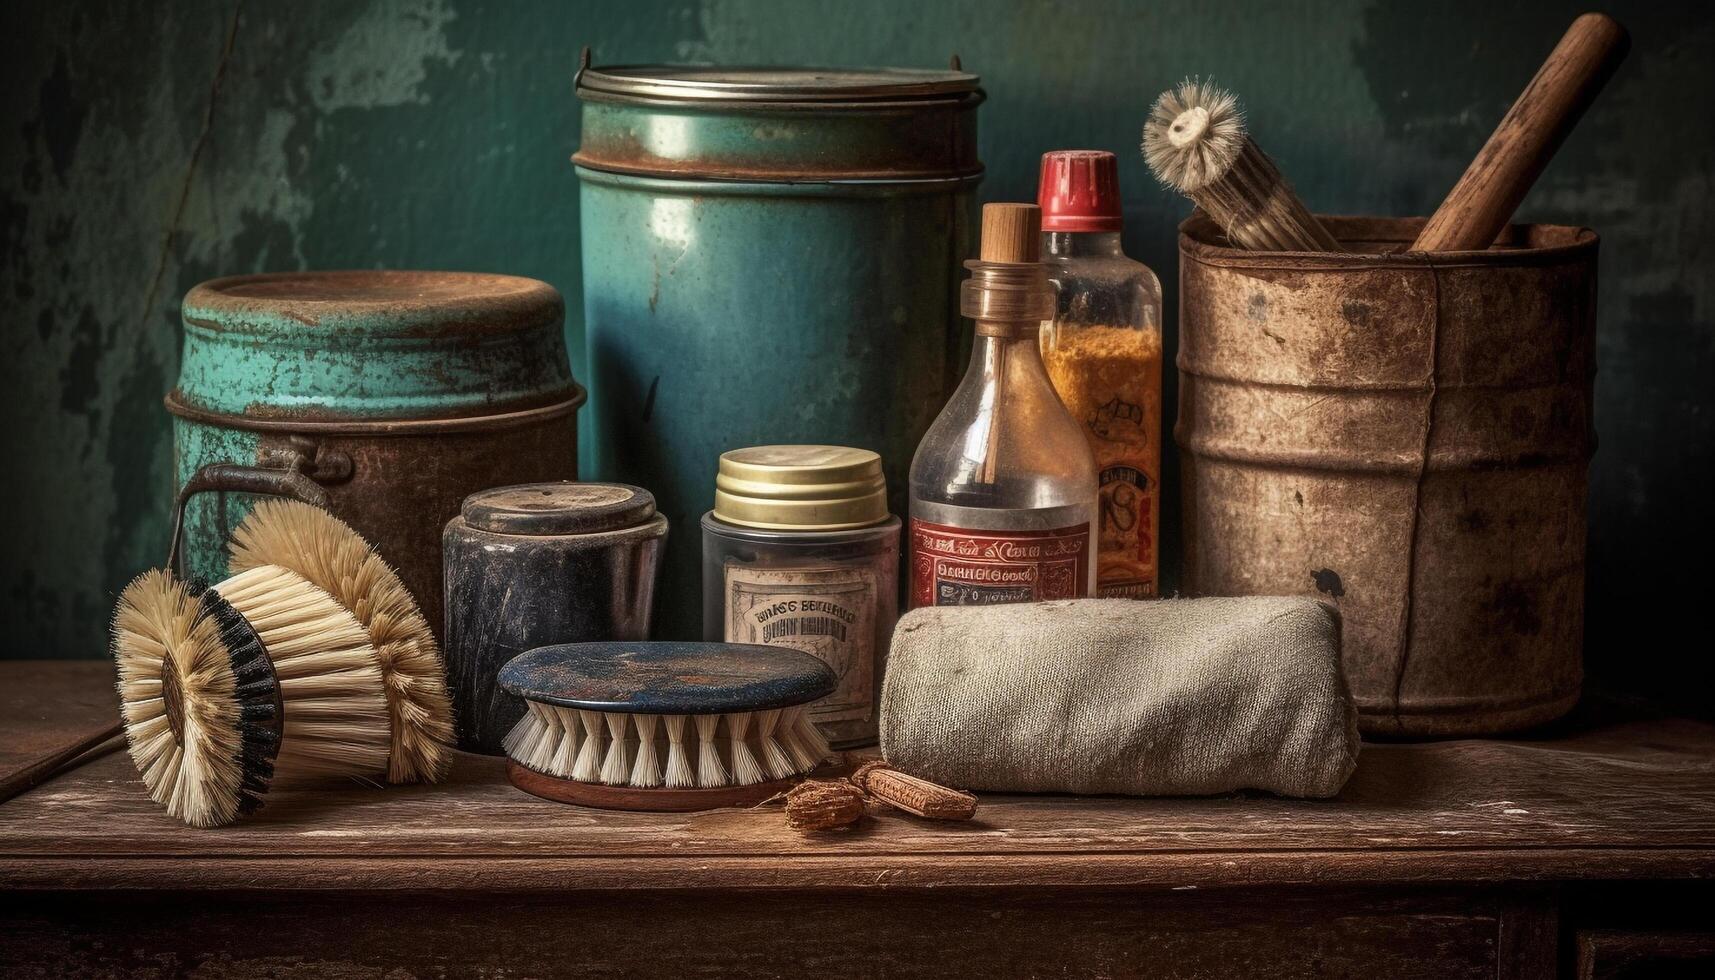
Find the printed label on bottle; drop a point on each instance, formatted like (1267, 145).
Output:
(1125, 549)
(1110, 380)
(826, 611)
(955, 566)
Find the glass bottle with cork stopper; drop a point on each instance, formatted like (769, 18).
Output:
(1103, 352)
(1003, 486)
(800, 551)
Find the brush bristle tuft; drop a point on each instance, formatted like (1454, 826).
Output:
(218, 763)
(1194, 133)
(331, 555)
(336, 721)
(619, 749)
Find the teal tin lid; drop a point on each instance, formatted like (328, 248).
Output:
(362, 346)
(779, 124)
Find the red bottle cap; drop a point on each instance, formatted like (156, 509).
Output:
(1079, 191)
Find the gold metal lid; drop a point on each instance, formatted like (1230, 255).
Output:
(801, 488)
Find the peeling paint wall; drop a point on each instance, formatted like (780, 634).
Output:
(148, 146)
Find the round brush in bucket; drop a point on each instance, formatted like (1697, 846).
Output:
(664, 726)
(328, 553)
(1195, 142)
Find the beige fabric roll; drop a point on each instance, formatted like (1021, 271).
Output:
(1147, 698)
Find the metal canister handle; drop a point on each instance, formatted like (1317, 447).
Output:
(289, 481)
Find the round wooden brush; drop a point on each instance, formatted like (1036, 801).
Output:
(1195, 142)
(664, 726)
(200, 701)
(331, 555)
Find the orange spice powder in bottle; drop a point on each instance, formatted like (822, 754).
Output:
(1103, 352)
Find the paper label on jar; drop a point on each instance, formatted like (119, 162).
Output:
(954, 566)
(826, 611)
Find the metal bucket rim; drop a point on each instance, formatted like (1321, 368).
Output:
(740, 187)
(1198, 236)
(311, 425)
(677, 84)
(531, 304)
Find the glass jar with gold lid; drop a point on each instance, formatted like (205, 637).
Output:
(800, 551)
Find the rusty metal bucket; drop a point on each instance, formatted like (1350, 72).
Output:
(391, 394)
(1408, 437)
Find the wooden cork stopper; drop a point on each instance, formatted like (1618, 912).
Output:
(1012, 233)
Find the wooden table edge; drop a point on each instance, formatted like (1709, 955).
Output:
(533, 874)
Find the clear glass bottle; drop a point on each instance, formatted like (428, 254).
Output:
(800, 551)
(1003, 486)
(1103, 352)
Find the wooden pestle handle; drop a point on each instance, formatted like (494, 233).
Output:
(1483, 201)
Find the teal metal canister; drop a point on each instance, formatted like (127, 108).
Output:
(770, 255)
(386, 396)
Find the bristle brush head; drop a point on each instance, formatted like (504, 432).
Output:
(330, 554)
(200, 701)
(1194, 133)
(335, 708)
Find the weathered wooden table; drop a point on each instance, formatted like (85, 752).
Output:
(1588, 849)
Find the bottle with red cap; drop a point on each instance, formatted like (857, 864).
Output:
(1103, 354)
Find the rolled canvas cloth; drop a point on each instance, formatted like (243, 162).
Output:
(1171, 697)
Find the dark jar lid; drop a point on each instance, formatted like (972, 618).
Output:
(539, 509)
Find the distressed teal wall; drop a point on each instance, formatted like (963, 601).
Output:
(148, 146)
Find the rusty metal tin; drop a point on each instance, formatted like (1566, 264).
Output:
(399, 392)
(709, 122)
(763, 249)
(1407, 436)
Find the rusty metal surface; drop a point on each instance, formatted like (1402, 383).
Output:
(1408, 437)
(372, 345)
(423, 387)
(779, 124)
(397, 302)
(404, 490)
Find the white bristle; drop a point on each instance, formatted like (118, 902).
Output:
(159, 627)
(679, 774)
(1195, 142)
(786, 730)
(546, 742)
(710, 772)
(332, 556)
(588, 766)
(336, 715)
(565, 754)
(616, 770)
(1194, 133)
(745, 769)
(520, 733)
(647, 770)
(627, 750)
(811, 737)
(774, 757)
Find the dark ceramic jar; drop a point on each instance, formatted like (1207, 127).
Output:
(540, 564)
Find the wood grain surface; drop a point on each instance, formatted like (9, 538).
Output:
(765, 934)
(1620, 800)
(48, 708)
